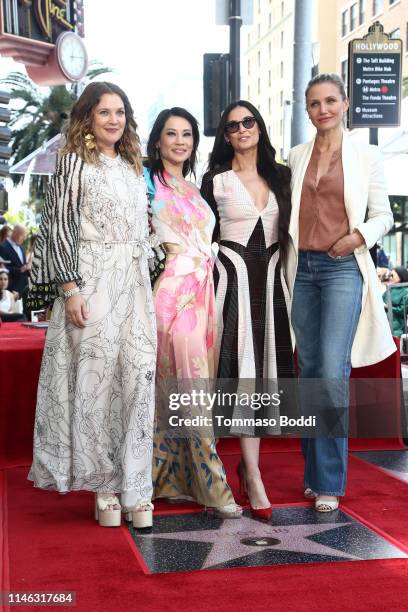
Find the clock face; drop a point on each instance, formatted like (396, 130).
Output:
(72, 56)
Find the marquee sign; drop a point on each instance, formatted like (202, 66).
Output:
(41, 20)
(35, 33)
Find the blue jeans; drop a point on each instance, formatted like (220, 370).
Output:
(325, 312)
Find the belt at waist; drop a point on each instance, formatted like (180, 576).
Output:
(140, 247)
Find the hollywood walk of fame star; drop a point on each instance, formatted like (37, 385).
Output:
(233, 541)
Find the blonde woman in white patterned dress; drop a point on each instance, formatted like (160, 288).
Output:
(95, 405)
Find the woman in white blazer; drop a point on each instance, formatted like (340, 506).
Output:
(340, 208)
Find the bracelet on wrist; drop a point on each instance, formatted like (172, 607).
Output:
(70, 292)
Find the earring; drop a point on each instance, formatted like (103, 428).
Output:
(228, 142)
(90, 141)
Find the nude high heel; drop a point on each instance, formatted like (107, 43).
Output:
(106, 513)
(141, 516)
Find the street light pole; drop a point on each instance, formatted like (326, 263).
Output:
(235, 22)
(302, 67)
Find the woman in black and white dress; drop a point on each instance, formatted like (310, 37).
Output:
(250, 195)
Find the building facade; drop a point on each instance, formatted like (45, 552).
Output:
(267, 69)
(267, 50)
(267, 66)
(354, 19)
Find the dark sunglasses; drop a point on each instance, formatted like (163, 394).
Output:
(233, 126)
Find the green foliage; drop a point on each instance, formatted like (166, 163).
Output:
(16, 217)
(405, 87)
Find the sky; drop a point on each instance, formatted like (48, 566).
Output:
(156, 48)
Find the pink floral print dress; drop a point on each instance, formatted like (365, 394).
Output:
(185, 465)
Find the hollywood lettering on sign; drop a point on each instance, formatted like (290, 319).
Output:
(374, 84)
(38, 20)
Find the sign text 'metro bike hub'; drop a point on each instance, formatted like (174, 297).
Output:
(375, 79)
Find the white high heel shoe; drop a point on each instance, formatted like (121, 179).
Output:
(310, 494)
(141, 515)
(107, 511)
(326, 505)
(230, 511)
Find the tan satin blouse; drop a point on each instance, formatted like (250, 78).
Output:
(322, 215)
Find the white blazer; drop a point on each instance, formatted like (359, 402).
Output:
(368, 210)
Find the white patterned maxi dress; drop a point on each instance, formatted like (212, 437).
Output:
(95, 405)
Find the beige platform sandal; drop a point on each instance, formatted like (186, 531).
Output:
(107, 510)
(141, 515)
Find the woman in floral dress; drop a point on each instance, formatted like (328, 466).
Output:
(186, 463)
(95, 405)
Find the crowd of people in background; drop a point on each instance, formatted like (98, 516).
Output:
(15, 265)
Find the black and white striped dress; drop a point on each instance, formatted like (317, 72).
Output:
(252, 300)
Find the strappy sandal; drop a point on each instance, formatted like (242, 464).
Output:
(309, 493)
(141, 515)
(230, 511)
(326, 505)
(107, 510)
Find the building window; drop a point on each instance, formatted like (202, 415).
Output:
(259, 86)
(249, 67)
(270, 20)
(259, 59)
(353, 16)
(269, 78)
(377, 6)
(249, 92)
(259, 30)
(395, 33)
(344, 16)
(282, 9)
(281, 98)
(361, 12)
(406, 39)
(391, 2)
(249, 40)
(270, 50)
(282, 38)
(281, 70)
(269, 105)
(344, 71)
(259, 6)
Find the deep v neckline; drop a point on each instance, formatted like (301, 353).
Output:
(333, 159)
(250, 198)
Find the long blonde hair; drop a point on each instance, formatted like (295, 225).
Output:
(80, 124)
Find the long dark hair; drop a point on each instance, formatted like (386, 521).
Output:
(155, 162)
(277, 176)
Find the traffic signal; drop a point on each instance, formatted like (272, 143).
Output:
(216, 88)
(5, 134)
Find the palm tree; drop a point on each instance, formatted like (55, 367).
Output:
(405, 87)
(40, 115)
